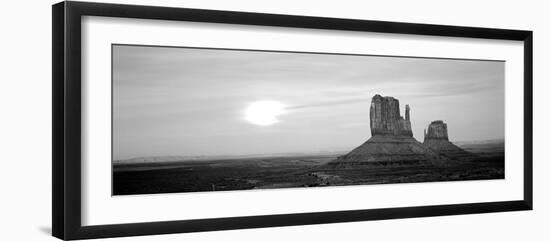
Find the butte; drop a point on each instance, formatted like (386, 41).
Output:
(391, 141)
(437, 139)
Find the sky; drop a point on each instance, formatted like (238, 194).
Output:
(171, 101)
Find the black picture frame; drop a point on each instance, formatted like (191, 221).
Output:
(66, 159)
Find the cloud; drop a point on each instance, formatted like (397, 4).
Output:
(331, 103)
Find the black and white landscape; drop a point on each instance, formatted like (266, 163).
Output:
(195, 119)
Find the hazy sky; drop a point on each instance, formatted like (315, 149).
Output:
(183, 101)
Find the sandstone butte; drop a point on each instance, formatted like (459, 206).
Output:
(392, 140)
(437, 139)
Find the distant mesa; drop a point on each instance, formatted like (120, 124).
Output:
(437, 139)
(392, 140)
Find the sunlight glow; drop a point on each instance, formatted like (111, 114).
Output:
(264, 113)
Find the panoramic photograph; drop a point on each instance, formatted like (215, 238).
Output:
(188, 119)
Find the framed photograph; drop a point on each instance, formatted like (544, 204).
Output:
(171, 120)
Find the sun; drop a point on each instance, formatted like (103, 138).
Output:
(264, 113)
